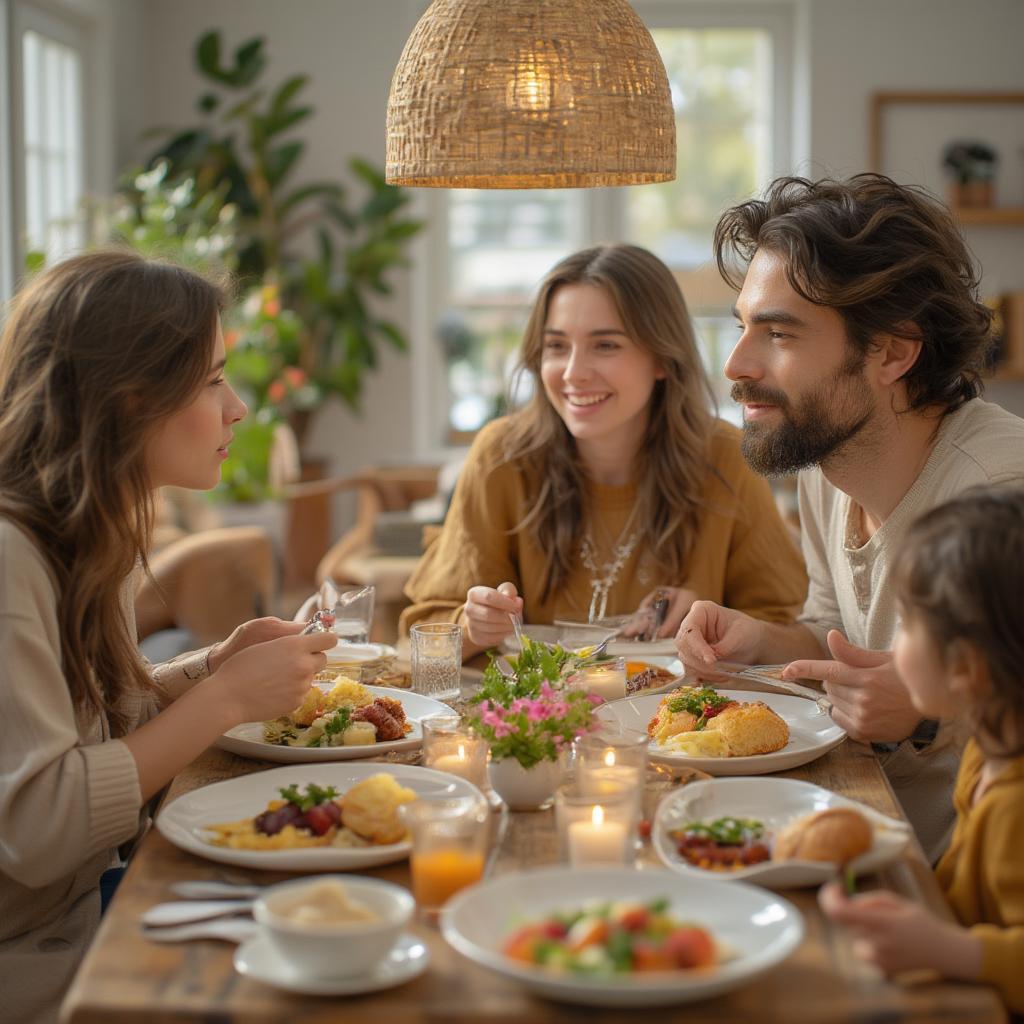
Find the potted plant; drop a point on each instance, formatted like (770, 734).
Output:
(306, 329)
(973, 168)
(530, 719)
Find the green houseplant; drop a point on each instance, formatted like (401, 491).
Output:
(311, 258)
(972, 166)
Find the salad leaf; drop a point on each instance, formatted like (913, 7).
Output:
(306, 801)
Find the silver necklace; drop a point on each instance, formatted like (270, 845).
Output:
(603, 577)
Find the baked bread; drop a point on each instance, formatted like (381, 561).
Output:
(370, 808)
(751, 728)
(838, 835)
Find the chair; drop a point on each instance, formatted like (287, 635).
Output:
(383, 547)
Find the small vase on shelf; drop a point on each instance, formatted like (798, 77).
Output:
(525, 789)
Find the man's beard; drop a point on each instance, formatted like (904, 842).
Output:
(822, 422)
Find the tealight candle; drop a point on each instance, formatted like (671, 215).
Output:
(597, 841)
(469, 764)
(448, 747)
(607, 678)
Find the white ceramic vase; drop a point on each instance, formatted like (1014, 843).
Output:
(524, 789)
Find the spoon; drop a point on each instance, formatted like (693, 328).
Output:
(209, 889)
(187, 911)
(229, 929)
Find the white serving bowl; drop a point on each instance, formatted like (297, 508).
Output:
(335, 950)
(755, 928)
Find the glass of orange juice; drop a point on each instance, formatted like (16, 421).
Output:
(449, 848)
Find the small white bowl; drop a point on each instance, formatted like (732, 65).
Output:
(335, 950)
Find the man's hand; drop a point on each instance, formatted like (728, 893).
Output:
(710, 633)
(255, 631)
(895, 934)
(868, 698)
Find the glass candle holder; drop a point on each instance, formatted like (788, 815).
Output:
(606, 678)
(613, 757)
(595, 829)
(449, 847)
(449, 747)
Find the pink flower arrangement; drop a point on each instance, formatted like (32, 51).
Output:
(535, 728)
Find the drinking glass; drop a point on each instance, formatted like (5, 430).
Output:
(353, 611)
(449, 847)
(436, 659)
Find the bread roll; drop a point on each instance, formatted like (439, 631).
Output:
(751, 728)
(838, 834)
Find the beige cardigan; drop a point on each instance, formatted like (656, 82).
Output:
(69, 794)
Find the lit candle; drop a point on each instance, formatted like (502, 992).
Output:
(597, 841)
(608, 681)
(470, 765)
(440, 873)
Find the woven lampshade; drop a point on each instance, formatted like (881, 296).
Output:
(530, 94)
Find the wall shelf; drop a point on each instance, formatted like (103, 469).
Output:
(995, 215)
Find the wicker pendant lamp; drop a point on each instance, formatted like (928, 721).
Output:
(530, 94)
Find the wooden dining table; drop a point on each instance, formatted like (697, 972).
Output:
(125, 977)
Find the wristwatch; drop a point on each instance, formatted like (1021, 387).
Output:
(925, 733)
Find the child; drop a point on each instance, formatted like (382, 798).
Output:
(960, 652)
(111, 385)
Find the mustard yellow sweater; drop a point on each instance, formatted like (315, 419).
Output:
(743, 556)
(982, 872)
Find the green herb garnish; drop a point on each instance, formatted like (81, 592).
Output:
(339, 722)
(307, 801)
(697, 702)
(728, 831)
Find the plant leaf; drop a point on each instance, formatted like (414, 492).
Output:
(208, 102)
(249, 62)
(208, 57)
(281, 160)
(300, 195)
(393, 334)
(287, 91)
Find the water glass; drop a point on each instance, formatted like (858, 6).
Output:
(449, 848)
(353, 613)
(592, 828)
(449, 747)
(436, 659)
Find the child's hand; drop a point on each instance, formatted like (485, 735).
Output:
(255, 631)
(267, 680)
(896, 934)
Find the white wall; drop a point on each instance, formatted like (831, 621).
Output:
(350, 48)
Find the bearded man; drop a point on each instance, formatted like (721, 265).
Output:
(859, 366)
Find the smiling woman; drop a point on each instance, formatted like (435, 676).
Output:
(615, 481)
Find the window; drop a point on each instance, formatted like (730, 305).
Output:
(728, 69)
(52, 123)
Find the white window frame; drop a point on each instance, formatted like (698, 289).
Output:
(604, 212)
(72, 24)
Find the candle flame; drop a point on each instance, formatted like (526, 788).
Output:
(462, 751)
(597, 818)
(609, 758)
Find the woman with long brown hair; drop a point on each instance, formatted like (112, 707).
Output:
(111, 385)
(616, 480)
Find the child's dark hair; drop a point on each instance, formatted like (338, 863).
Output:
(961, 574)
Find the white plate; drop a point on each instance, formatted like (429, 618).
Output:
(811, 733)
(184, 821)
(775, 802)
(256, 958)
(247, 739)
(346, 653)
(759, 928)
(639, 650)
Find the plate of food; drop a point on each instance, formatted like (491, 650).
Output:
(338, 720)
(727, 732)
(337, 817)
(774, 832)
(653, 675)
(619, 937)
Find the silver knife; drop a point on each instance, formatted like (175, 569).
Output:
(756, 674)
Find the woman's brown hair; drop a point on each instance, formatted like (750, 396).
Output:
(888, 258)
(95, 354)
(961, 574)
(673, 460)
